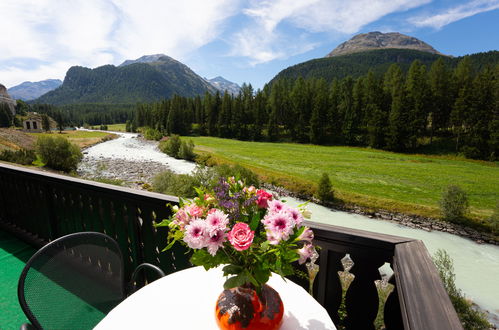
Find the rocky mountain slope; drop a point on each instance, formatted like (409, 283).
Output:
(377, 40)
(223, 85)
(31, 90)
(147, 79)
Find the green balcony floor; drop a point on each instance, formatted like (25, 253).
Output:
(13, 256)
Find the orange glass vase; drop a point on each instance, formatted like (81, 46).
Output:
(242, 308)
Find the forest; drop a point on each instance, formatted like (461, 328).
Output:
(438, 109)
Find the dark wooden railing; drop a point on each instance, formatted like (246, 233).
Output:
(39, 207)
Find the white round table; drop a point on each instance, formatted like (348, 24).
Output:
(186, 300)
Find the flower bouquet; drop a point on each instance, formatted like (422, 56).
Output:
(250, 232)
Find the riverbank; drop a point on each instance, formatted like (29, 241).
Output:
(411, 221)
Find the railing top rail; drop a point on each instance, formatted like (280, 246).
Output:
(423, 300)
(129, 193)
(336, 235)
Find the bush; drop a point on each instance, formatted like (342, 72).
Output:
(22, 156)
(152, 134)
(58, 153)
(171, 146)
(325, 190)
(181, 185)
(494, 220)
(186, 150)
(454, 204)
(239, 172)
(103, 127)
(469, 316)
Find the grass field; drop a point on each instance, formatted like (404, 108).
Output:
(81, 138)
(117, 127)
(371, 178)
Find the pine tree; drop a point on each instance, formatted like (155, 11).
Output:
(440, 97)
(417, 91)
(319, 113)
(301, 109)
(398, 117)
(346, 107)
(376, 116)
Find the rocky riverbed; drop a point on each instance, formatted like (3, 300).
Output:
(130, 160)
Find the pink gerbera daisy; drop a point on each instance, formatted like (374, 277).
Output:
(215, 241)
(196, 233)
(279, 226)
(217, 220)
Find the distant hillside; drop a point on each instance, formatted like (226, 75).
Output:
(31, 90)
(223, 85)
(13, 139)
(145, 80)
(358, 64)
(377, 40)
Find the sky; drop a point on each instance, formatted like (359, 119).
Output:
(241, 40)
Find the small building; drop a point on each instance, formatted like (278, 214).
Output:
(33, 123)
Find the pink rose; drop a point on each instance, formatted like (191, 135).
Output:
(241, 236)
(194, 211)
(263, 198)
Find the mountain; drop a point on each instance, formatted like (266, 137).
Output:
(377, 51)
(377, 40)
(31, 90)
(223, 85)
(146, 59)
(6, 99)
(147, 79)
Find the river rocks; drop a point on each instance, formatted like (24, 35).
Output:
(133, 174)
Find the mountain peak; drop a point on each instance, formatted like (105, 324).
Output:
(224, 85)
(31, 90)
(378, 40)
(147, 59)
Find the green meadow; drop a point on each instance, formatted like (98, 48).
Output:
(371, 178)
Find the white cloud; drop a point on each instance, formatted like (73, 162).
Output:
(97, 32)
(263, 40)
(457, 13)
(12, 75)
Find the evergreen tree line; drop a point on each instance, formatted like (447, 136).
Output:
(395, 111)
(81, 114)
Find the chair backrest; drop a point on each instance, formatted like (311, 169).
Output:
(72, 282)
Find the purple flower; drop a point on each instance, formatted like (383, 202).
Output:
(195, 234)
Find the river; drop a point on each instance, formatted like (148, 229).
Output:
(476, 265)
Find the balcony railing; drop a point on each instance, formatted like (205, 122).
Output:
(39, 207)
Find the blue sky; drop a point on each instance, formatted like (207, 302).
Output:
(241, 40)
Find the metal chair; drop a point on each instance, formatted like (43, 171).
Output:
(74, 281)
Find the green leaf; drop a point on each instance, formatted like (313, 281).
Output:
(254, 222)
(232, 269)
(235, 281)
(261, 274)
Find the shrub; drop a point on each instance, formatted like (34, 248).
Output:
(22, 156)
(325, 191)
(181, 185)
(171, 146)
(58, 153)
(469, 316)
(152, 134)
(103, 127)
(186, 150)
(494, 220)
(239, 172)
(454, 204)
